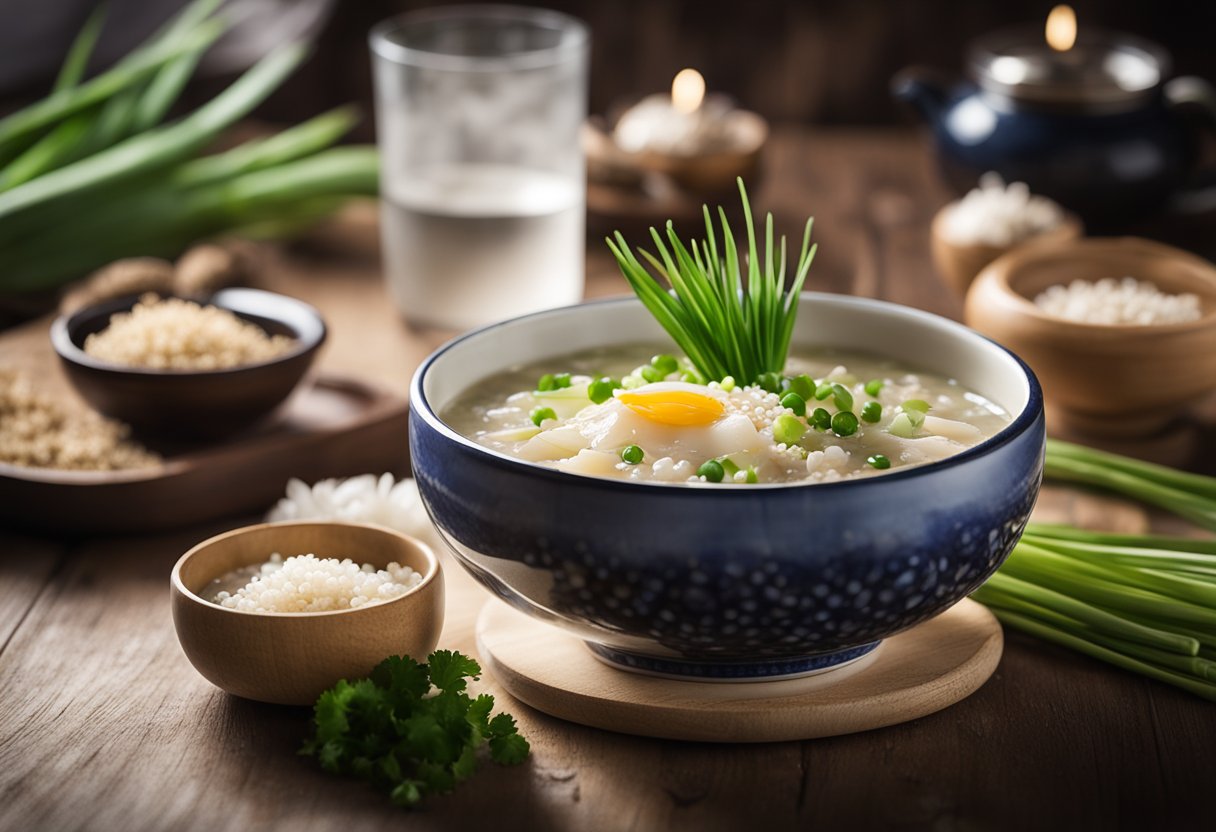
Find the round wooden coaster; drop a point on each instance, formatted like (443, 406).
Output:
(910, 675)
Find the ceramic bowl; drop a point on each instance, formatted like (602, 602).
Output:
(714, 582)
(290, 658)
(177, 404)
(1103, 380)
(960, 263)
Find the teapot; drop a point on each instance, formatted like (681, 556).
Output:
(1097, 128)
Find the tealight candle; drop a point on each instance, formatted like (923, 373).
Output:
(686, 123)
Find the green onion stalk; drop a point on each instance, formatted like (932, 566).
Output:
(93, 173)
(1145, 603)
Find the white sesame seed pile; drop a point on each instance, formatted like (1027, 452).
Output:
(175, 334)
(306, 583)
(996, 215)
(1120, 302)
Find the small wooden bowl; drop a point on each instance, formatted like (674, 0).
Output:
(959, 263)
(192, 404)
(1104, 381)
(290, 658)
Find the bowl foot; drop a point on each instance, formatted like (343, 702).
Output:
(764, 670)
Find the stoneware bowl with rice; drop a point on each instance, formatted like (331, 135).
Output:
(289, 658)
(164, 375)
(773, 571)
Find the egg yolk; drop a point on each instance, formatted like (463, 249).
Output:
(682, 408)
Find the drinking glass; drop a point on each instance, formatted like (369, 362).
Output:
(478, 115)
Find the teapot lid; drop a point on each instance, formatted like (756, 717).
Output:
(1099, 72)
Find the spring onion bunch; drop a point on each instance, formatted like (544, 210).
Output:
(93, 172)
(1145, 603)
(724, 327)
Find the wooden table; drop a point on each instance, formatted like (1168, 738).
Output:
(104, 725)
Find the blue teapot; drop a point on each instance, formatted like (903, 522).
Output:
(1096, 128)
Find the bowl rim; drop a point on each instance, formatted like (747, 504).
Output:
(432, 572)
(307, 342)
(1018, 425)
(1021, 258)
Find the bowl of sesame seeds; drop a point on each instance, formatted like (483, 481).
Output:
(173, 368)
(1121, 331)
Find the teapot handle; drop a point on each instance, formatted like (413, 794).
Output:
(1190, 93)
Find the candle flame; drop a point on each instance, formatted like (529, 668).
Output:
(1061, 28)
(687, 90)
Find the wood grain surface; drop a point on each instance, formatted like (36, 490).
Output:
(104, 725)
(912, 674)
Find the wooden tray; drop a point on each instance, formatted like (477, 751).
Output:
(336, 427)
(910, 675)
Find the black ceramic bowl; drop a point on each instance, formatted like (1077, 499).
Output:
(192, 404)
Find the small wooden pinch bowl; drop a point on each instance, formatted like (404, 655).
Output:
(960, 263)
(1103, 380)
(291, 658)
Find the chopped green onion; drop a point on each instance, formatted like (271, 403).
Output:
(794, 402)
(561, 381)
(729, 466)
(632, 454)
(821, 419)
(788, 429)
(844, 423)
(653, 374)
(665, 364)
(871, 411)
(844, 399)
(540, 414)
(915, 417)
(873, 386)
(772, 382)
(919, 405)
(879, 461)
(712, 470)
(902, 426)
(727, 384)
(804, 386)
(752, 476)
(823, 390)
(600, 390)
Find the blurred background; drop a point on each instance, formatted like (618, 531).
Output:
(781, 59)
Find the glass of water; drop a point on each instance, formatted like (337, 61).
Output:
(478, 115)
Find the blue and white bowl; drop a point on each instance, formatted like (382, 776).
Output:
(758, 582)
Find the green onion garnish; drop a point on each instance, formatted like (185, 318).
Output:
(873, 386)
(821, 419)
(540, 414)
(665, 364)
(919, 405)
(844, 423)
(632, 454)
(844, 399)
(788, 429)
(804, 386)
(871, 411)
(726, 323)
(823, 390)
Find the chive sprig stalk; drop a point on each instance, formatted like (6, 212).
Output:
(727, 326)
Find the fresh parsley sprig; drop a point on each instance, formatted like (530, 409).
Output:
(392, 730)
(723, 328)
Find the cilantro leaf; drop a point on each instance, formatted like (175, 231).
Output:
(410, 729)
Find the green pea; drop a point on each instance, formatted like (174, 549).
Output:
(727, 383)
(547, 382)
(844, 423)
(879, 461)
(794, 402)
(844, 399)
(804, 386)
(632, 454)
(691, 378)
(873, 386)
(653, 374)
(665, 364)
(540, 414)
(772, 382)
(821, 419)
(600, 390)
(561, 380)
(871, 411)
(823, 390)
(712, 471)
(788, 429)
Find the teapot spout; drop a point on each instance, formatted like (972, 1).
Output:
(921, 88)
